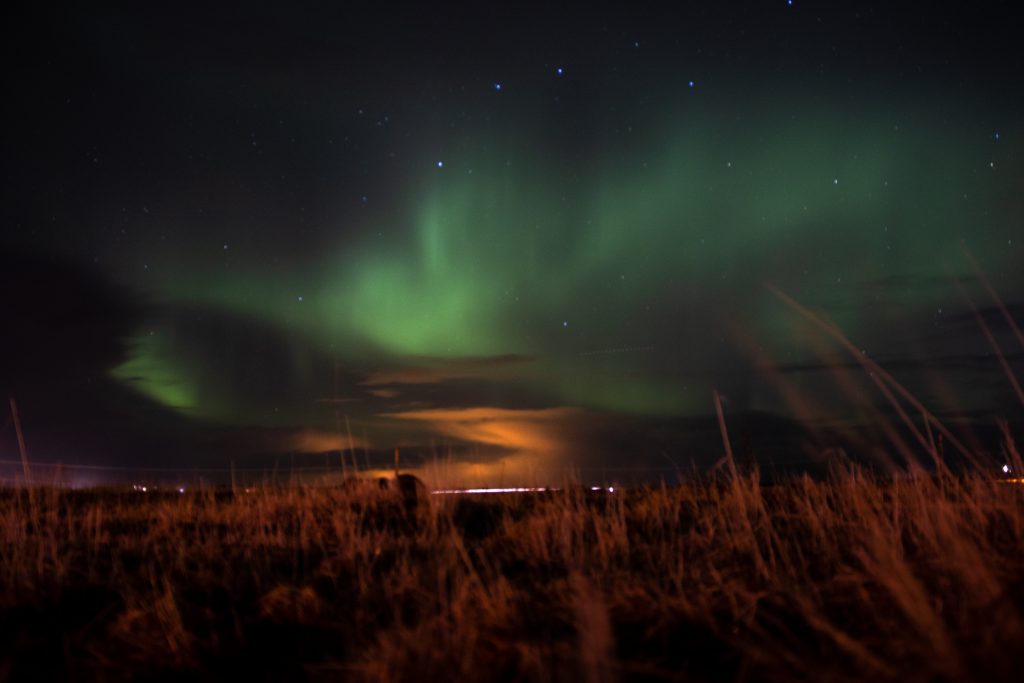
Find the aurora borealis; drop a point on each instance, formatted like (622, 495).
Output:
(510, 239)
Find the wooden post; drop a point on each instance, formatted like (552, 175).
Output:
(21, 442)
(396, 463)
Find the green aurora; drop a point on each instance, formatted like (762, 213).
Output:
(617, 270)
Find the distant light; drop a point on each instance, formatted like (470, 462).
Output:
(835, 181)
(497, 86)
(522, 489)
(560, 71)
(300, 297)
(440, 164)
(1006, 469)
(789, 2)
(692, 83)
(997, 135)
(565, 323)
(181, 490)
(611, 489)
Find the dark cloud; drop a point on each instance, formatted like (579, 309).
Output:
(427, 370)
(959, 362)
(993, 316)
(63, 324)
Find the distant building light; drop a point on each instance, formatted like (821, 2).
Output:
(522, 489)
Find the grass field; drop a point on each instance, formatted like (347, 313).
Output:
(854, 578)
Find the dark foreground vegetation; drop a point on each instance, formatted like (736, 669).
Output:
(856, 578)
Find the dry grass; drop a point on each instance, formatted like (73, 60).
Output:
(851, 579)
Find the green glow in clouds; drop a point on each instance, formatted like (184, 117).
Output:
(159, 373)
(618, 272)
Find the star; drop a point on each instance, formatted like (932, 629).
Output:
(497, 86)
(692, 84)
(559, 71)
(565, 323)
(440, 164)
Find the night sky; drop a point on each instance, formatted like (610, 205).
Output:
(507, 240)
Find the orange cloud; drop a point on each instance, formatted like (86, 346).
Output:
(320, 441)
(403, 376)
(436, 370)
(536, 431)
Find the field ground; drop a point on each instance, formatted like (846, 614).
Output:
(854, 578)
